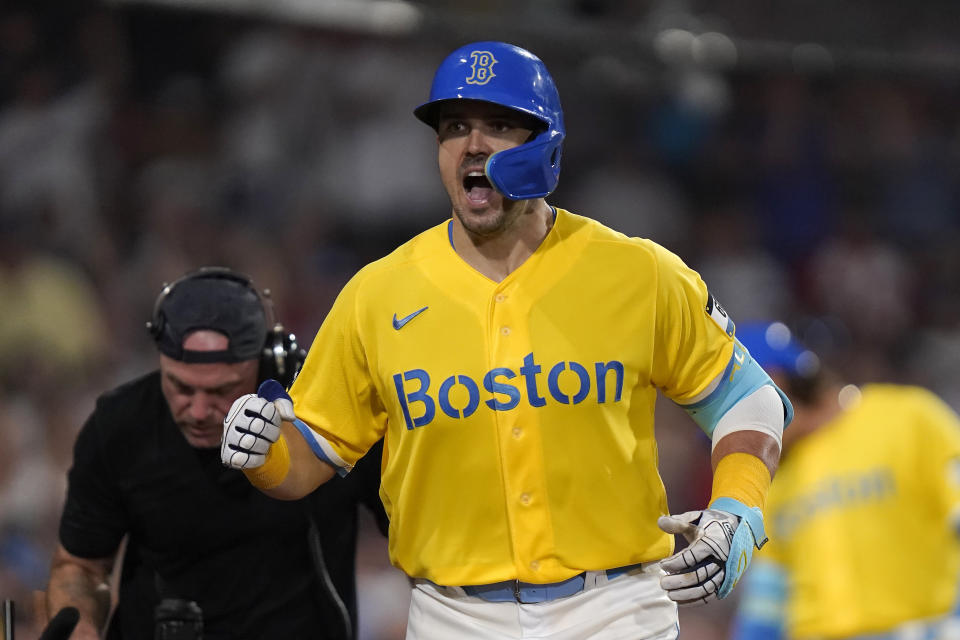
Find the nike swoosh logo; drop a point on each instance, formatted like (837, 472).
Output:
(399, 324)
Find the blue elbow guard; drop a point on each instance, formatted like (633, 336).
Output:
(742, 377)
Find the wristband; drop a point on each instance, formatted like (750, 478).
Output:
(275, 468)
(743, 477)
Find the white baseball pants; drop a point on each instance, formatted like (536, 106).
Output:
(629, 607)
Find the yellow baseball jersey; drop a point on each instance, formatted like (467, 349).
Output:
(517, 415)
(859, 516)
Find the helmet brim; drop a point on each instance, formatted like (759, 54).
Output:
(429, 112)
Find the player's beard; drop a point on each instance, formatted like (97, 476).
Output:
(490, 219)
(493, 221)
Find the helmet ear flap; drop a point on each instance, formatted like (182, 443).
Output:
(531, 170)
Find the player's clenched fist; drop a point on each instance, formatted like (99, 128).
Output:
(251, 426)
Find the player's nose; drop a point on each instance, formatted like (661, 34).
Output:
(477, 142)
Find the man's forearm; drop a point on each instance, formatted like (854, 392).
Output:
(72, 585)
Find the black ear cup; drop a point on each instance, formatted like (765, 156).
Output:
(282, 356)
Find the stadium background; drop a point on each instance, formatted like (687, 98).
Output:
(801, 155)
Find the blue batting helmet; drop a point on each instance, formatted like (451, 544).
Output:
(504, 74)
(773, 346)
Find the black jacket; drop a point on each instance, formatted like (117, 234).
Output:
(199, 531)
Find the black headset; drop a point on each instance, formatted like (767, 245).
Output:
(280, 358)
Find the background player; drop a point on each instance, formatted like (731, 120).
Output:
(511, 357)
(863, 516)
(146, 467)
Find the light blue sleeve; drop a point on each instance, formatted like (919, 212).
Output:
(742, 377)
(761, 613)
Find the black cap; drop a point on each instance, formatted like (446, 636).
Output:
(216, 299)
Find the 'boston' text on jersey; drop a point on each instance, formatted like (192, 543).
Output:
(505, 396)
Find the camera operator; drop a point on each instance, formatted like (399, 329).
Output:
(147, 466)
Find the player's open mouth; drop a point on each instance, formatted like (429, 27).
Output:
(477, 187)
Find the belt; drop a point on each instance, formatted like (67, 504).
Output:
(529, 593)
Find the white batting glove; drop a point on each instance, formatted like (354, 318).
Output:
(251, 426)
(720, 545)
(694, 575)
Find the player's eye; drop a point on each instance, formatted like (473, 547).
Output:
(449, 129)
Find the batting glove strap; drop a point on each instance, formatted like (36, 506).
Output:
(751, 515)
(748, 534)
(273, 391)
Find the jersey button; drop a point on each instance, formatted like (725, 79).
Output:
(505, 330)
(500, 297)
(535, 565)
(524, 499)
(517, 432)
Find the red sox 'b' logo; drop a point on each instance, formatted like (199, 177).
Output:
(482, 67)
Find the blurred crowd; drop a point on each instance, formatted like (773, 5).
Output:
(138, 143)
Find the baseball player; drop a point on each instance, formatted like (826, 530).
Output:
(511, 358)
(864, 515)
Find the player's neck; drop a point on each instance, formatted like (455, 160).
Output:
(497, 256)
